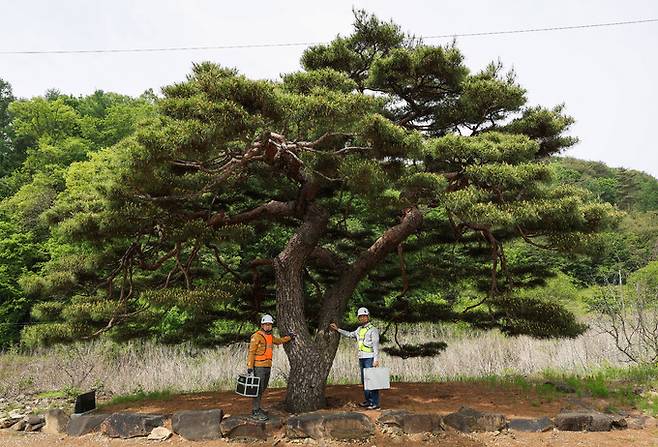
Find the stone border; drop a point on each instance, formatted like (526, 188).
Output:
(343, 426)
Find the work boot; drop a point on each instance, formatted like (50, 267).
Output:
(373, 407)
(364, 404)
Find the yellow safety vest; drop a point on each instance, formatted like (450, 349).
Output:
(361, 337)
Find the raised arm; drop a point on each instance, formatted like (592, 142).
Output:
(347, 334)
(344, 333)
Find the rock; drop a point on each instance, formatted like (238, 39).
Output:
(600, 422)
(273, 425)
(634, 422)
(306, 425)
(338, 426)
(35, 427)
(159, 434)
(244, 428)
(198, 425)
(410, 422)
(574, 421)
(34, 419)
(619, 422)
(640, 422)
(8, 422)
(469, 420)
(561, 387)
(19, 425)
(348, 426)
(590, 421)
(15, 414)
(564, 388)
(130, 425)
(56, 421)
(531, 425)
(83, 424)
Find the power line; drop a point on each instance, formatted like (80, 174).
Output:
(536, 30)
(299, 44)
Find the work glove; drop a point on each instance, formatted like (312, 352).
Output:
(250, 371)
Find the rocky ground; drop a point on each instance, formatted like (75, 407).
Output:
(455, 414)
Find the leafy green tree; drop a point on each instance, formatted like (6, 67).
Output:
(245, 196)
(17, 250)
(609, 256)
(47, 135)
(9, 158)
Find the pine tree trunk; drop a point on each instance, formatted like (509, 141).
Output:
(308, 375)
(308, 371)
(306, 382)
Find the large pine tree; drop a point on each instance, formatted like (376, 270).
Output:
(384, 174)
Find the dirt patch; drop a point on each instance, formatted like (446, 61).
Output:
(439, 398)
(635, 438)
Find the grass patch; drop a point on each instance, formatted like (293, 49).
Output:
(139, 396)
(620, 387)
(56, 394)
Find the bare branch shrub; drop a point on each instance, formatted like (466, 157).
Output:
(629, 314)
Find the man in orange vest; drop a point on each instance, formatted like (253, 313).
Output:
(259, 360)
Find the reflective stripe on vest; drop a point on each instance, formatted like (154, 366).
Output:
(267, 355)
(361, 337)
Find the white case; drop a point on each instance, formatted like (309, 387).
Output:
(376, 378)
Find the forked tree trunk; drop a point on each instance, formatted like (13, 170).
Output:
(311, 357)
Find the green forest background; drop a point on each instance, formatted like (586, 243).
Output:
(44, 139)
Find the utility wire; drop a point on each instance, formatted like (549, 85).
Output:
(299, 44)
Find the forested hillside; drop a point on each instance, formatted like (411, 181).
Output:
(634, 243)
(40, 139)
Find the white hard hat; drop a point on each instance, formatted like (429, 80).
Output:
(267, 318)
(362, 311)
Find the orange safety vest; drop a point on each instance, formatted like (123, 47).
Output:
(267, 355)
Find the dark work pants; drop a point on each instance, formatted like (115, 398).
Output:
(264, 374)
(371, 396)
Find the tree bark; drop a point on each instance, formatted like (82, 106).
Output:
(307, 380)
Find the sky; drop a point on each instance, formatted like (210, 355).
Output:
(606, 77)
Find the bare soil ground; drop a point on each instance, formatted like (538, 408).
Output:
(441, 398)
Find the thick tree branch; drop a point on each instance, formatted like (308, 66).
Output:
(337, 296)
(270, 210)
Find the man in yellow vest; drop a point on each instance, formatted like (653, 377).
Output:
(367, 338)
(259, 360)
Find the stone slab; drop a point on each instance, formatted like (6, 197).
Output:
(130, 425)
(198, 425)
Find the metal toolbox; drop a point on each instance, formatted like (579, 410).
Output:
(247, 386)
